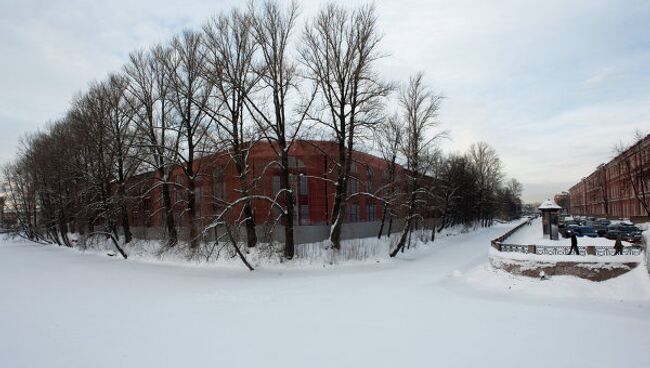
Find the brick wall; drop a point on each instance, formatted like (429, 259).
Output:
(608, 192)
(313, 168)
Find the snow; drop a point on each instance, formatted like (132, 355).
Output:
(549, 205)
(437, 305)
(630, 287)
(533, 235)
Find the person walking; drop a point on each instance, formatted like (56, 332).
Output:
(574, 244)
(618, 245)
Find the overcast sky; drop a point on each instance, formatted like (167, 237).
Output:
(552, 85)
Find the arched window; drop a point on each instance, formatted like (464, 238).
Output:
(353, 185)
(369, 179)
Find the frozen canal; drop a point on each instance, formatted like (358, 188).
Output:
(438, 306)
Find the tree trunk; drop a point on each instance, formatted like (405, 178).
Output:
(251, 235)
(169, 214)
(433, 231)
(338, 209)
(383, 221)
(117, 246)
(112, 234)
(126, 228)
(239, 252)
(390, 225)
(249, 219)
(402, 239)
(409, 220)
(191, 211)
(63, 229)
(289, 247)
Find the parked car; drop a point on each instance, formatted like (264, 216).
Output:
(568, 220)
(628, 232)
(580, 231)
(568, 229)
(601, 225)
(586, 231)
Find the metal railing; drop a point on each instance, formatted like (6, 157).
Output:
(552, 250)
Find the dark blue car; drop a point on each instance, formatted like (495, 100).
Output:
(628, 232)
(581, 231)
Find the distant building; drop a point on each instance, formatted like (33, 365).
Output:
(608, 191)
(563, 200)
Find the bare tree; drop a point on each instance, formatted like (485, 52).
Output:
(150, 94)
(272, 27)
(228, 67)
(121, 140)
(22, 200)
(189, 96)
(339, 51)
(488, 173)
(389, 140)
(90, 126)
(510, 199)
(419, 105)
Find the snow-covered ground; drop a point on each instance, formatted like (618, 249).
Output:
(436, 306)
(533, 235)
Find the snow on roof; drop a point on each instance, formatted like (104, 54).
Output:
(549, 205)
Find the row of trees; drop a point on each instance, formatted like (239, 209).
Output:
(468, 188)
(247, 76)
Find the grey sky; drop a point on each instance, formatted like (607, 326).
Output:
(552, 85)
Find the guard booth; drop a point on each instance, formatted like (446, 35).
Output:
(550, 211)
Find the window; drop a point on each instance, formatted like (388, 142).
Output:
(304, 214)
(369, 179)
(219, 184)
(276, 185)
(353, 213)
(198, 197)
(178, 189)
(304, 187)
(295, 162)
(292, 182)
(353, 186)
(146, 208)
(146, 204)
(371, 214)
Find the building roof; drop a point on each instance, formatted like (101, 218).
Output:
(549, 205)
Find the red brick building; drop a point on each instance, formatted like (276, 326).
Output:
(313, 170)
(608, 191)
(563, 200)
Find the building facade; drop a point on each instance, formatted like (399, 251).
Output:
(617, 189)
(313, 171)
(563, 200)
